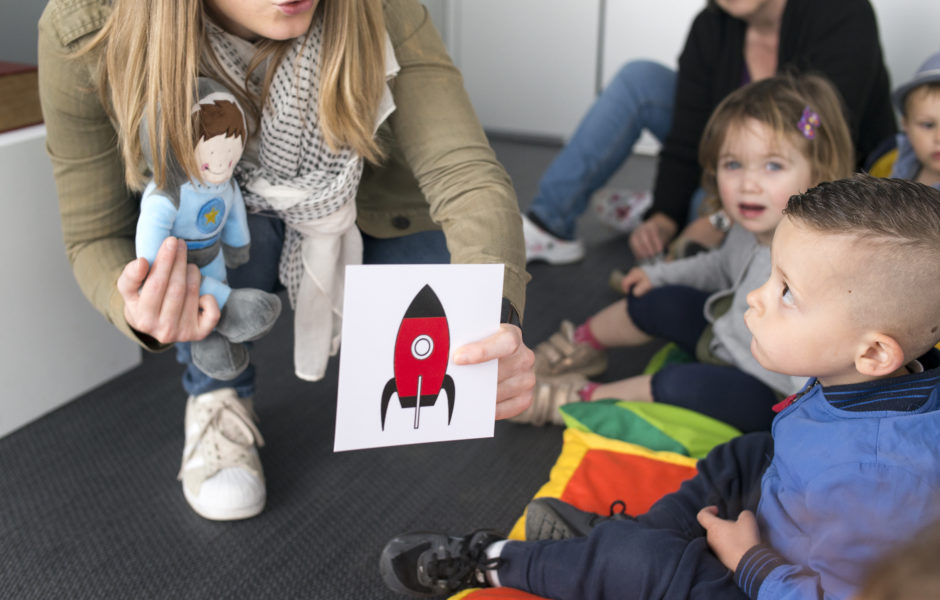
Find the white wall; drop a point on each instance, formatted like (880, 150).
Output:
(19, 32)
(529, 65)
(54, 345)
(910, 32)
(655, 31)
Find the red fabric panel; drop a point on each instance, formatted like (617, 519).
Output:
(604, 476)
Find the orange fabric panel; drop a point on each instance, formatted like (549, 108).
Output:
(604, 476)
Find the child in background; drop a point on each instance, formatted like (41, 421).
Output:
(918, 101)
(909, 572)
(765, 142)
(849, 471)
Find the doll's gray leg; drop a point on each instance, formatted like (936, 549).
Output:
(219, 358)
(267, 237)
(248, 315)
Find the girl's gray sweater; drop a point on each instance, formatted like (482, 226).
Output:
(737, 267)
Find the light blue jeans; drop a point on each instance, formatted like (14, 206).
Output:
(640, 96)
(267, 237)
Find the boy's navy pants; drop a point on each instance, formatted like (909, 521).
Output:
(663, 553)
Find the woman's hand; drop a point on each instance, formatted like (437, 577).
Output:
(651, 236)
(729, 540)
(636, 281)
(516, 374)
(165, 303)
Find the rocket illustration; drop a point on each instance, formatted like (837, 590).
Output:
(422, 348)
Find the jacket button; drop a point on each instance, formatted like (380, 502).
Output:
(401, 222)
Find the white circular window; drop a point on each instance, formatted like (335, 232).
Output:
(422, 346)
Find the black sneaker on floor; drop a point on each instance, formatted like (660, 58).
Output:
(434, 564)
(552, 519)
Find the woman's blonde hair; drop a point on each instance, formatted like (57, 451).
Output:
(151, 51)
(785, 103)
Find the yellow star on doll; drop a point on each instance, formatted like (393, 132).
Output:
(211, 215)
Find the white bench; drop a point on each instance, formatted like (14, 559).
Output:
(53, 345)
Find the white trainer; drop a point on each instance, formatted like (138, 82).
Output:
(221, 472)
(621, 209)
(542, 245)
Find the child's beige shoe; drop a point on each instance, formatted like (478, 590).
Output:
(560, 354)
(221, 472)
(549, 394)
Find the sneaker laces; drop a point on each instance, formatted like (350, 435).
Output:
(219, 412)
(463, 567)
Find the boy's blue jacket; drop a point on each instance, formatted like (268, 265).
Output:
(856, 469)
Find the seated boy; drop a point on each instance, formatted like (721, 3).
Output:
(852, 465)
(918, 101)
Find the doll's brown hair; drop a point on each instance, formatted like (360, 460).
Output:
(221, 117)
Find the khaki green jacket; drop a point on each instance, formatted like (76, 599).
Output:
(440, 173)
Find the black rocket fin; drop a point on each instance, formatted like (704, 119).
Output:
(386, 396)
(425, 304)
(448, 386)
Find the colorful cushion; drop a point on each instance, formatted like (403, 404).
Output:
(669, 354)
(636, 452)
(494, 594)
(591, 472)
(662, 427)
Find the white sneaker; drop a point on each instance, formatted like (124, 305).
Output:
(621, 209)
(541, 245)
(221, 472)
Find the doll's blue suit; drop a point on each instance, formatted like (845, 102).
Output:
(208, 217)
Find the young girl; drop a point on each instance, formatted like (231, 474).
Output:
(328, 85)
(765, 142)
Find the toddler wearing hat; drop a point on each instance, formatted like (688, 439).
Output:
(918, 101)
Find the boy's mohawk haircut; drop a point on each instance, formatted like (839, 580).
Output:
(896, 209)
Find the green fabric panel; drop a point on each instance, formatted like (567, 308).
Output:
(667, 355)
(698, 433)
(654, 426)
(609, 419)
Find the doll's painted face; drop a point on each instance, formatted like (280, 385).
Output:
(219, 131)
(217, 157)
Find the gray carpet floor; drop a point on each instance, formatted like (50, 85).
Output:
(90, 506)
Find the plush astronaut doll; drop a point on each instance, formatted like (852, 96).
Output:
(210, 216)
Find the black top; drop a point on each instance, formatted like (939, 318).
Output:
(834, 38)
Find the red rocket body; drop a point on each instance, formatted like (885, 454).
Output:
(422, 351)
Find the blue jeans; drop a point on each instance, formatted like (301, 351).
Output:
(640, 96)
(267, 238)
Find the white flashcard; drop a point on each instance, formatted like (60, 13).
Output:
(397, 380)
